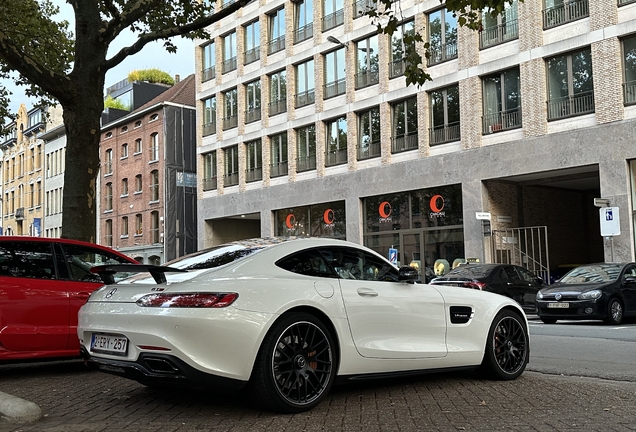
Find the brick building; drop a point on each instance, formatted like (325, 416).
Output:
(307, 127)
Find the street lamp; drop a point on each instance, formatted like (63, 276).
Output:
(336, 41)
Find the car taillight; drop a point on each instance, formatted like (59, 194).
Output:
(475, 285)
(188, 300)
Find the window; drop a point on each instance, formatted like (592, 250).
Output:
(231, 166)
(369, 133)
(399, 48)
(154, 186)
(138, 123)
(309, 263)
(333, 14)
(138, 184)
(276, 32)
(208, 62)
(108, 163)
(209, 116)
(502, 101)
(108, 232)
(139, 225)
(124, 187)
(278, 151)
(306, 148)
(229, 52)
(442, 36)
(124, 151)
(108, 135)
(31, 195)
(253, 101)
(361, 7)
(305, 88)
(367, 71)
(444, 107)
(336, 145)
(154, 227)
(303, 20)
(501, 28)
(209, 171)
(153, 117)
(629, 67)
(230, 119)
(124, 129)
(557, 12)
(404, 125)
(254, 161)
(154, 147)
(351, 263)
(108, 197)
(252, 42)
(138, 146)
(335, 73)
(27, 260)
(570, 85)
(277, 93)
(124, 226)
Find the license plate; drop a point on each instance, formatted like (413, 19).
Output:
(559, 305)
(109, 344)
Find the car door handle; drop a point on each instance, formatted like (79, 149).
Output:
(366, 292)
(81, 295)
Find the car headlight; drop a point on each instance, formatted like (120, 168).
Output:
(589, 295)
(539, 295)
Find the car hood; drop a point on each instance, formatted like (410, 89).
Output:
(574, 288)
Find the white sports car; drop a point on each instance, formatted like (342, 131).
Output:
(286, 317)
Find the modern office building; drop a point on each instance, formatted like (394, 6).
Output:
(307, 127)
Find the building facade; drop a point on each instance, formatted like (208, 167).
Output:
(307, 127)
(147, 181)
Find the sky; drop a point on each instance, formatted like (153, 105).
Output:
(152, 55)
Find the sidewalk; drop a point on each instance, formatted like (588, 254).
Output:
(74, 399)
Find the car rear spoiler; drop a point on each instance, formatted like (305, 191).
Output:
(158, 273)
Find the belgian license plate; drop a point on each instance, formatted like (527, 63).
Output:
(559, 305)
(109, 344)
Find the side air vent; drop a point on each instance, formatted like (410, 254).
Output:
(460, 314)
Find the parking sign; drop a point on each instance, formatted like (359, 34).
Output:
(393, 256)
(610, 221)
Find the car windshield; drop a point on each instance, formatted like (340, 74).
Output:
(592, 274)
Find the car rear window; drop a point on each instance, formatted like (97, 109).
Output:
(470, 271)
(214, 257)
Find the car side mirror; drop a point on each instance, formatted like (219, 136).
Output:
(407, 273)
(630, 279)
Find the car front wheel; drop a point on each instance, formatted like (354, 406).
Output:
(507, 347)
(296, 366)
(614, 312)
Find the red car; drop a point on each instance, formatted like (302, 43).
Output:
(43, 283)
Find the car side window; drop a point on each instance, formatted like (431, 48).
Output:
(309, 263)
(527, 276)
(351, 263)
(28, 260)
(80, 259)
(512, 273)
(630, 272)
(502, 275)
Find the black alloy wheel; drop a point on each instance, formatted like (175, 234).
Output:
(295, 368)
(507, 347)
(614, 312)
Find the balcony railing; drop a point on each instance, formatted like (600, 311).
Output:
(278, 169)
(231, 179)
(19, 213)
(230, 122)
(305, 98)
(277, 107)
(229, 65)
(336, 157)
(566, 12)
(303, 33)
(209, 183)
(253, 115)
(396, 68)
(369, 150)
(276, 45)
(335, 88)
(571, 106)
(499, 34)
(208, 74)
(209, 128)
(443, 134)
(306, 163)
(254, 174)
(332, 20)
(404, 143)
(629, 92)
(442, 53)
(251, 55)
(366, 79)
(361, 7)
(501, 121)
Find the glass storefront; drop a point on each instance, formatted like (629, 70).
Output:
(425, 226)
(318, 220)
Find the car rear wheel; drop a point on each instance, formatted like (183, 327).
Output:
(295, 367)
(548, 320)
(614, 312)
(507, 347)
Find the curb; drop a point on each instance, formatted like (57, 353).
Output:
(16, 410)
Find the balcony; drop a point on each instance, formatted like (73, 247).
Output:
(209, 128)
(303, 33)
(230, 122)
(443, 134)
(396, 68)
(277, 107)
(369, 150)
(275, 45)
(209, 183)
(333, 20)
(253, 115)
(253, 174)
(361, 7)
(499, 34)
(305, 98)
(229, 65)
(404, 143)
(336, 157)
(278, 169)
(231, 179)
(564, 13)
(501, 121)
(19, 213)
(335, 88)
(251, 55)
(366, 79)
(570, 106)
(208, 74)
(442, 53)
(306, 163)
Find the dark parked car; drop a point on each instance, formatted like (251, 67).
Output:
(509, 280)
(593, 291)
(43, 283)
